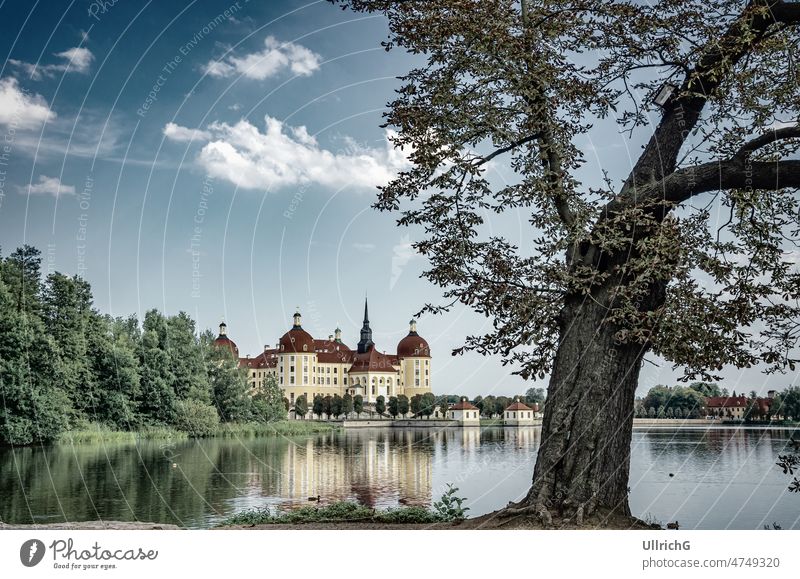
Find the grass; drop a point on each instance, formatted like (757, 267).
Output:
(334, 513)
(95, 433)
(281, 428)
(491, 422)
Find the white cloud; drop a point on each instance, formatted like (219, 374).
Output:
(20, 109)
(285, 156)
(49, 186)
(178, 133)
(275, 58)
(76, 59)
(402, 253)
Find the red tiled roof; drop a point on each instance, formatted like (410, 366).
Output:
(295, 339)
(372, 361)
(519, 406)
(225, 341)
(340, 357)
(330, 346)
(413, 345)
(726, 402)
(267, 359)
(463, 405)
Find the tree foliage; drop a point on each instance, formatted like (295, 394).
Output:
(63, 364)
(380, 405)
(493, 85)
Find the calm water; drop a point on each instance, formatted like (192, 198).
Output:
(724, 478)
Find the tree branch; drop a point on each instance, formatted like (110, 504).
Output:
(766, 139)
(681, 115)
(506, 149)
(729, 174)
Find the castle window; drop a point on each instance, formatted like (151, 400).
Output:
(291, 358)
(334, 380)
(291, 379)
(305, 347)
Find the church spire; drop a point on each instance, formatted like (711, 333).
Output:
(366, 332)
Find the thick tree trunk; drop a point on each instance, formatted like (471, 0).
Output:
(583, 463)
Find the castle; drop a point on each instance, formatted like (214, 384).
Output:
(306, 366)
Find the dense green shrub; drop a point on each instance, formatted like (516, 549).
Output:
(195, 418)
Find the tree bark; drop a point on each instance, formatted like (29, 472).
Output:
(584, 459)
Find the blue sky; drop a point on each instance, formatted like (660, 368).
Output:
(221, 158)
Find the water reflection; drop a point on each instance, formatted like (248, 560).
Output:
(721, 478)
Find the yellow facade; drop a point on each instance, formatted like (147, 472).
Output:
(305, 366)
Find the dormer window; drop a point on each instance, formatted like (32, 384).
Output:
(305, 346)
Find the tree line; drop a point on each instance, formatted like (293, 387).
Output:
(692, 402)
(419, 405)
(64, 364)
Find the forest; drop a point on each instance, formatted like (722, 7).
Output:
(65, 366)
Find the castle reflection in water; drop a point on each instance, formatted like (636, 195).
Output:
(376, 468)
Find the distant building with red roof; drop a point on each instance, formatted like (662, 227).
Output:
(519, 414)
(303, 365)
(735, 407)
(465, 412)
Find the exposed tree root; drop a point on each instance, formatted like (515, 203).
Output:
(537, 516)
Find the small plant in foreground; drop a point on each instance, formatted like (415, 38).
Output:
(450, 508)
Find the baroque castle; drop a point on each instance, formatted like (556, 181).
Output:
(303, 365)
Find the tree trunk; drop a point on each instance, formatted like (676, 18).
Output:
(583, 462)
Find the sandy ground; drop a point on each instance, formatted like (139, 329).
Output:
(95, 525)
(485, 522)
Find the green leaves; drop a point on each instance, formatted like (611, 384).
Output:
(450, 506)
(653, 247)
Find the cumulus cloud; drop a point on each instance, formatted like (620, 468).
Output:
(49, 186)
(273, 59)
(285, 156)
(76, 59)
(19, 108)
(179, 133)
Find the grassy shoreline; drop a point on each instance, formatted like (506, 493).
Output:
(95, 433)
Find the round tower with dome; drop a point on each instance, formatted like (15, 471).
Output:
(414, 356)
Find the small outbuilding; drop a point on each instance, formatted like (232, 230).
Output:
(465, 413)
(518, 414)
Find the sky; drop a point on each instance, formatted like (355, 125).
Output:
(221, 158)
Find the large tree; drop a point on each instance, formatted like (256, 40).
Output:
(686, 253)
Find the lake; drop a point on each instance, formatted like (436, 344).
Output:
(723, 478)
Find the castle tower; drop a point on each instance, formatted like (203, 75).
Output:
(366, 332)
